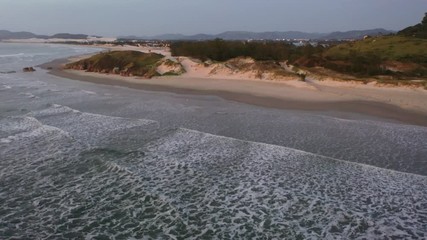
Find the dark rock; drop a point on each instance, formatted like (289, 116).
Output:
(28, 69)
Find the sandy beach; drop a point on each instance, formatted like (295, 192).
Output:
(404, 104)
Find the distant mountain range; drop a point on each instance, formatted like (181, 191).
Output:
(240, 35)
(230, 35)
(357, 34)
(4, 35)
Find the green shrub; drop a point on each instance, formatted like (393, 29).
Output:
(126, 62)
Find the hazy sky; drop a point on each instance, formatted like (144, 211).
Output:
(151, 17)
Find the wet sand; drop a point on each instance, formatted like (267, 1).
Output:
(265, 94)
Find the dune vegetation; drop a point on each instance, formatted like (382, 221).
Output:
(221, 50)
(125, 63)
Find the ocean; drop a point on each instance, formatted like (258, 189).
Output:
(86, 161)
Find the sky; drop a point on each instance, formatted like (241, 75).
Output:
(152, 17)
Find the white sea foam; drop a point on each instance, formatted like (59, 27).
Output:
(16, 128)
(12, 125)
(88, 127)
(5, 87)
(88, 92)
(12, 55)
(5, 140)
(281, 186)
(29, 95)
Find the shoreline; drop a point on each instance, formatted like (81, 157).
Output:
(279, 95)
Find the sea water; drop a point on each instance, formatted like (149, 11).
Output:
(79, 160)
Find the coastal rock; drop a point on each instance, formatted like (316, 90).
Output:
(28, 69)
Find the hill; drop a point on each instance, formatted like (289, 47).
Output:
(128, 63)
(69, 36)
(233, 35)
(395, 48)
(401, 55)
(419, 30)
(242, 35)
(239, 35)
(357, 34)
(6, 35)
(388, 55)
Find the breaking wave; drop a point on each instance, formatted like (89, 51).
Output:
(12, 55)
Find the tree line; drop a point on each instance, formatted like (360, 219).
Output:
(220, 50)
(357, 63)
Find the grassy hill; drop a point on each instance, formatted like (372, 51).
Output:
(125, 63)
(396, 48)
(399, 56)
(419, 30)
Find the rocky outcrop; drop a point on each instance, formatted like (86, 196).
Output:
(28, 69)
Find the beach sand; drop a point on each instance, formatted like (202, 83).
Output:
(403, 104)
